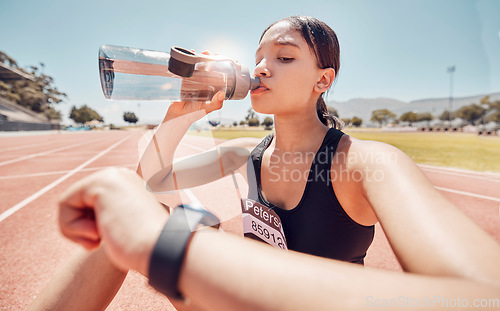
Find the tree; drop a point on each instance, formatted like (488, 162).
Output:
(4, 58)
(37, 94)
(471, 113)
(251, 115)
(130, 117)
(332, 111)
(425, 116)
(410, 117)
(494, 105)
(251, 118)
(382, 116)
(446, 116)
(494, 117)
(84, 114)
(268, 123)
(493, 110)
(485, 100)
(356, 122)
(346, 121)
(253, 122)
(52, 114)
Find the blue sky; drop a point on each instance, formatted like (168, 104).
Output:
(389, 48)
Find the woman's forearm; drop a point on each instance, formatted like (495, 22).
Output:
(88, 281)
(224, 272)
(159, 153)
(427, 233)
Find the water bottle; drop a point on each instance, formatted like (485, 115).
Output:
(137, 74)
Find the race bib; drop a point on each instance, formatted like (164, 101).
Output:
(262, 224)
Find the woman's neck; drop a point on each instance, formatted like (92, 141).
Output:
(298, 133)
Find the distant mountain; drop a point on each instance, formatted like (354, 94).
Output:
(438, 105)
(363, 107)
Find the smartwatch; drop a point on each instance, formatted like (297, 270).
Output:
(170, 249)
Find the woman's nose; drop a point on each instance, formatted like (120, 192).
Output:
(261, 69)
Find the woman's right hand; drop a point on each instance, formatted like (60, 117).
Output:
(178, 109)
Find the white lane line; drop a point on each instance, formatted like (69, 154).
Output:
(45, 189)
(23, 147)
(478, 175)
(479, 196)
(34, 155)
(62, 172)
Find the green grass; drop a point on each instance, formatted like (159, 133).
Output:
(459, 150)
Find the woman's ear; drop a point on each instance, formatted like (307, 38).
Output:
(325, 80)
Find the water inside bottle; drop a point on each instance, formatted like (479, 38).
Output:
(133, 80)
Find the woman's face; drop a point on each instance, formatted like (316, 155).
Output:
(288, 72)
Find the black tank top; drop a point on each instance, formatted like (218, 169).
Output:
(318, 225)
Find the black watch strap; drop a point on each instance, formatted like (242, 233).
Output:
(170, 249)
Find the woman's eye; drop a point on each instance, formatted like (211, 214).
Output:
(285, 59)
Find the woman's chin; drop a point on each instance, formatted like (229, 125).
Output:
(262, 107)
(263, 111)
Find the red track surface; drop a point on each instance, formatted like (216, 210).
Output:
(35, 169)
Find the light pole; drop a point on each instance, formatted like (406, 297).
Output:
(451, 70)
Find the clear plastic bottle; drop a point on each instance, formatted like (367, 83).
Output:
(137, 74)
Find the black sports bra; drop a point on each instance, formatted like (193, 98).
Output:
(318, 225)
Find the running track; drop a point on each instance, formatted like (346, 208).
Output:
(34, 169)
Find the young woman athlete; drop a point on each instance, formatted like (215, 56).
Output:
(304, 170)
(328, 188)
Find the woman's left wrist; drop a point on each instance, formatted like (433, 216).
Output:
(149, 241)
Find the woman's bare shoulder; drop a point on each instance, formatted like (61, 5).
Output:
(351, 144)
(367, 152)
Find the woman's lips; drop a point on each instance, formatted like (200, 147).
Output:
(261, 89)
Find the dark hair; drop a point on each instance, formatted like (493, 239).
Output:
(323, 42)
